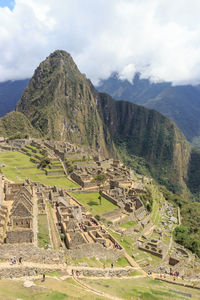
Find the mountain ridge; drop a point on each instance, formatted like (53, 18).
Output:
(180, 103)
(62, 103)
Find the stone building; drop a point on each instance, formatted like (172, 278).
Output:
(20, 225)
(79, 227)
(11, 189)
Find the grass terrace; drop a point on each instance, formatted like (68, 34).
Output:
(43, 232)
(91, 202)
(141, 288)
(128, 225)
(126, 242)
(93, 262)
(14, 162)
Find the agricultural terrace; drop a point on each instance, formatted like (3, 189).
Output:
(18, 167)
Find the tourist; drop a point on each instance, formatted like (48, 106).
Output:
(43, 277)
(99, 199)
(20, 260)
(111, 265)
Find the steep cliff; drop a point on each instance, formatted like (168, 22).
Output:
(148, 134)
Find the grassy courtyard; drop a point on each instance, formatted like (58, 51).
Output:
(43, 231)
(92, 203)
(14, 161)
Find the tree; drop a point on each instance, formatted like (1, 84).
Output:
(100, 178)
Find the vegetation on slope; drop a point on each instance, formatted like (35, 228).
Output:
(193, 181)
(149, 135)
(16, 125)
(188, 234)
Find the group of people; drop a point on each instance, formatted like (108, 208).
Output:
(82, 226)
(116, 246)
(94, 222)
(14, 260)
(77, 273)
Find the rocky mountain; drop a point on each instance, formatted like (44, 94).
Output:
(180, 103)
(61, 103)
(10, 93)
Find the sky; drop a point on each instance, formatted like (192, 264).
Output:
(158, 38)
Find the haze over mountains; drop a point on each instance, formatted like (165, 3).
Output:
(10, 93)
(180, 103)
(61, 103)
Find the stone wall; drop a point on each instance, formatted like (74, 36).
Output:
(19, 236)
(95, 250)
(109, 198)
(30, 253)
(151, 251)
(22, 271)
(94, 272)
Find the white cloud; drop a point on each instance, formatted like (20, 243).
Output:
(159, 38)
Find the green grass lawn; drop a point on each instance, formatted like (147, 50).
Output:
(51, 289)
(14, 160)
(126, 242)
(140, 288)
(43, 232)
(91, 202)
(93, 262)
(128, 225)
(130, 289)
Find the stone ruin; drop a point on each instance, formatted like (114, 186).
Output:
(84, 172)
(125, 198)
(79, 227)
(153, 246)
(20, 219)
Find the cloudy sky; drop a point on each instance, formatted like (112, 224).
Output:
(159, 38)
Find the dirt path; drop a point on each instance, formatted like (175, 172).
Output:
(7, 264)
(133, 263)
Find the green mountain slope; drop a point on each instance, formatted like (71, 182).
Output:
(15, 124)
(147, 134)
(180, 103)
